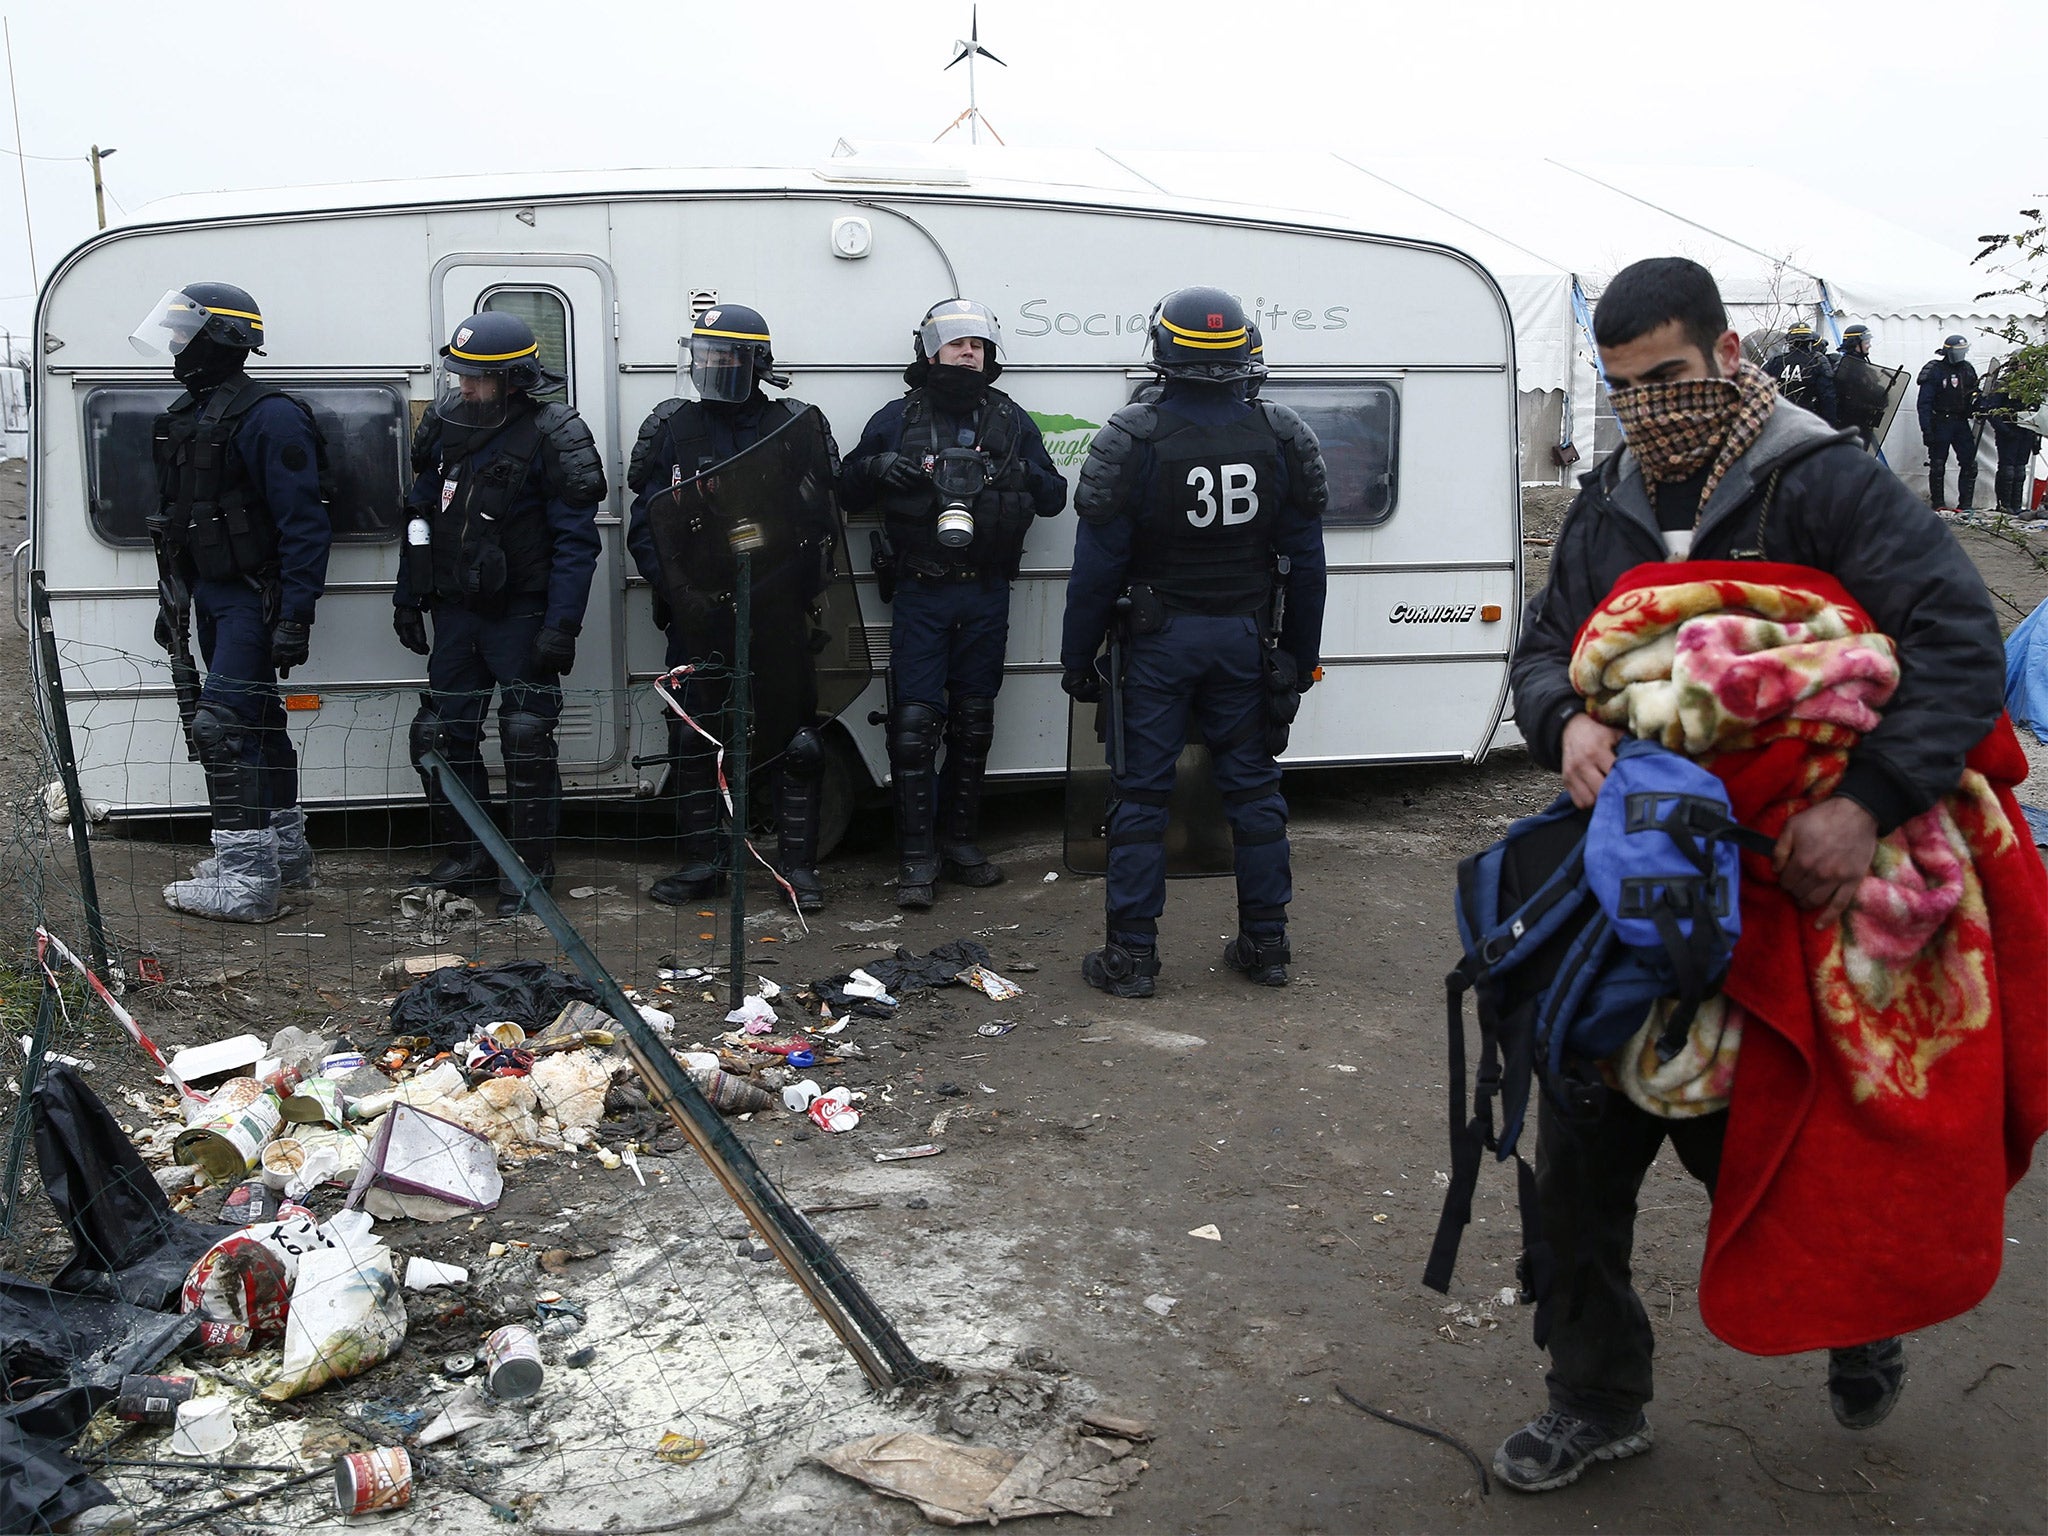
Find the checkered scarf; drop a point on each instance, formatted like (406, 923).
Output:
(1676, 427)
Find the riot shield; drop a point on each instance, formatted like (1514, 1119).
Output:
(773, 501)
(1896, 381)
(1197, 833)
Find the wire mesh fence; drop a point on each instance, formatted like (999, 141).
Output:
(664, 1337)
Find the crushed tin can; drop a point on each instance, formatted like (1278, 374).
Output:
(152, 1399)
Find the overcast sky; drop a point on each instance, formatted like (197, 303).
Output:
(1935, 114)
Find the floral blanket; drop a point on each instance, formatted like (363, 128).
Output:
(1886, 1079)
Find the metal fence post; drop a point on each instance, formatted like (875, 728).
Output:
(737, 755)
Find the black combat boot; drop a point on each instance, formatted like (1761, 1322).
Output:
(1123, 967)
(969, 733)
(913, 744)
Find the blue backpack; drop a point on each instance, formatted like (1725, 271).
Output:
(1574, 925)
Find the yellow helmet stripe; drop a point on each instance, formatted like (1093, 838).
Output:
(235, 314)
(1204, 338)
(733, 335)
(493, 357)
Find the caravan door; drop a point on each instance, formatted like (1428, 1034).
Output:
(569, 302)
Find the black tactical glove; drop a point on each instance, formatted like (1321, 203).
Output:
(290, 644)
(554, 652)
(1082, 683)
(410, 625)
(898, 471)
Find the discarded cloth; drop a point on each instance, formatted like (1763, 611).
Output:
(1063, 1472)
(41, 1487)
(130, 1245)
(1893, 1072)
(902, 972)
(455, 1003)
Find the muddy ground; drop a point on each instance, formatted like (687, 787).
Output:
(1081, 1150)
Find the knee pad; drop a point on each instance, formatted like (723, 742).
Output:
(972, 726)
(914, 736)
(1259, 821)
(804, 758)
(427, 735)
(525, 736)
(218, 734)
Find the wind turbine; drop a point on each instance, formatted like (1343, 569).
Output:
(966, 48)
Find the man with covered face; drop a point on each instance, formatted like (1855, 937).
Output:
(1716, 466)
(958, 470)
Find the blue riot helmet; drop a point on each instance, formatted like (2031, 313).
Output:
(954, 319)
(1801, 337)
(491, 357)
(1856, 338)
(727, 352)
(1955, 348)
(220, 312)
(1201, 334)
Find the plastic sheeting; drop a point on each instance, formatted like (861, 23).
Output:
(455, 1003)
(2026, 674)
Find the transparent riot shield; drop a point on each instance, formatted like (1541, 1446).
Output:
(1197, 833)
(808, 652)
(1896, 382)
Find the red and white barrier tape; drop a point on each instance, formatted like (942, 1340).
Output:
(675, 679)
(47, 941)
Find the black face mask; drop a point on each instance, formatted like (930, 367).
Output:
(956, 388)
(205, 363)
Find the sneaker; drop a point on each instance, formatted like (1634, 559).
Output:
(1864, 1383)
(1555, 1449)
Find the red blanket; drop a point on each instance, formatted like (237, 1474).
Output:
(1895, 1078)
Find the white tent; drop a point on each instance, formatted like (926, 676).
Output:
(1552, 234)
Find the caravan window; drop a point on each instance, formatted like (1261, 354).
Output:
(366, 427)
(1359, 426)
(547, 313)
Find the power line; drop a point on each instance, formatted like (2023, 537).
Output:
(54, 159)
(14, 97)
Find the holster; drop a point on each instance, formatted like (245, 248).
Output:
(883, 558)
(1283, 697)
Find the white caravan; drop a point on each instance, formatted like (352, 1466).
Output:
(1399, 352)
(13, 413)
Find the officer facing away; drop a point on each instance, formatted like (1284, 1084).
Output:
(958, 471)
(1862, 389)
(243, 528)
(1205, 508)
(501, 545)
(729, 355)
(1948, 401)
(2003, 406)
(1805, 373)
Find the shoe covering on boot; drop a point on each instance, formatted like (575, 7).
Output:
(1555, 1449)
(295, 869)
(1864, 1382)
(1121, 970)
(243, 885)
(1263, 960)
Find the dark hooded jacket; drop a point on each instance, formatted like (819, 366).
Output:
(1835, 508)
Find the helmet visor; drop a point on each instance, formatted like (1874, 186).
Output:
(955, 319)
(172, 322)
(472, 397)
(720, 368)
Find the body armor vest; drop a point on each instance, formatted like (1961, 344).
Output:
(1002, 512)
(491, 541)
(211, 515)
(1205, 534)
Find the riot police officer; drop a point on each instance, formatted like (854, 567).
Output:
(958, 470)
(243, 532)
(2017, 444)
(1804, 371)
(1862, 390)
(1947, 405)
(1202, 508)
(501, 544)
(729, 356)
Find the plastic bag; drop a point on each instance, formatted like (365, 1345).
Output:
(346, 1316)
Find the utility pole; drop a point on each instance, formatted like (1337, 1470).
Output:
(99, 187)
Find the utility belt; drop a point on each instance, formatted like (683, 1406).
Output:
(1150, 609)
(928, 569)
(1146, 614)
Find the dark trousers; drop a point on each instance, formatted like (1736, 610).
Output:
(1205, 676)
(2016, 450)
(234, 642)
(1953, 435)
(475, 654)
(946, 641)
(1587, 1179)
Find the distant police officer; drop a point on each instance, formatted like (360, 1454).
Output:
(1804, 371)
(729, 356)
(500, 548)
(958, 471)
(1862, 389)
(2003, 407)
(243, 528)
(1187, 505)
(1947, 404)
